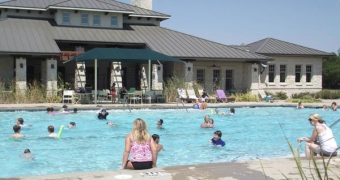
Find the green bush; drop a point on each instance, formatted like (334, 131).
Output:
(280, 95)
(245, 97)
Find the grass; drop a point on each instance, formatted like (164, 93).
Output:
(35, 92)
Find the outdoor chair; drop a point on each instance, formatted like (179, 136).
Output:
(149, 96)
(265, 97)
(137, 96)
(159, 96)
(102, 95)
(68, 95)
(221, 97)
(192, 95)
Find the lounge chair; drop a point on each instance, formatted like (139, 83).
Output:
(221, 97)
(265, 97)
(184, 97)
(192, 95)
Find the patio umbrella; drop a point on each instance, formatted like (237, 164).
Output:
(122, 55)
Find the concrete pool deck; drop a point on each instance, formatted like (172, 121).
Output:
(268, 169)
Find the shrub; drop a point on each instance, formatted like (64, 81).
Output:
(281, 95)
(246, 97)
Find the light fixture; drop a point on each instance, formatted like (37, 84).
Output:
(255, 69)
(158, 68)
(21, 65)
(81, 68)
(189, 68)
(52, 66)
(117, 69)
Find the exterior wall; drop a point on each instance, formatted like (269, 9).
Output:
(21, 80)
(24, 13)
(75, 18)
(238, 74)
(146, 4)
(290, 86)
(7, 69)
(143, 20)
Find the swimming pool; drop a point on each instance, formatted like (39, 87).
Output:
(253, 133)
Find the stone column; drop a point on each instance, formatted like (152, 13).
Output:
(188, 71)
(20, 70)
(157, 77)
(116, 76)
(254, 86)
(51, 76)
(80, 73)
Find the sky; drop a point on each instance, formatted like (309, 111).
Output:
(311, 23)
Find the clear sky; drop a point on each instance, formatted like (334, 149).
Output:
(310, 23)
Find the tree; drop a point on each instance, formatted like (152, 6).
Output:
(331, 72)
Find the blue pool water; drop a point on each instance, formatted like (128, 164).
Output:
(251, 134)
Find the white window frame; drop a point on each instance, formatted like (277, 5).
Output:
(200, 76)
(64, 15)
(283, 71)
(81, 18)
(271, 71)
(94, 18)
(114, 25)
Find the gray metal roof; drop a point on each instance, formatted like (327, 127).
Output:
(89, 4)
(26, 36)
(270, 46)
(104, 5)
(166, 41)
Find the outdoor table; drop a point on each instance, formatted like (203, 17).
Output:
(84, 98)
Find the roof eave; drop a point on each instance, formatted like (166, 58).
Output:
(93, 10)
(23, 8)
(221, 58)
(297, 55)
(30, 53)
(149, 16)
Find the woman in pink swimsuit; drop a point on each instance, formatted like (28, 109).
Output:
(141, 148)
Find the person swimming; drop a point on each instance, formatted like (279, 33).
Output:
(160, 123)
(72, 125)
(28, 155)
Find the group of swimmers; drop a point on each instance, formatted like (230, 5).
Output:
(333, 106)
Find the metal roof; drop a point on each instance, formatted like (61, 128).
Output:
(166, 41)
(89, 5)
(104, 5)
(26, 36)
(271, 46)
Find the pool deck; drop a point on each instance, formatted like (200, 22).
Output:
(267, 169)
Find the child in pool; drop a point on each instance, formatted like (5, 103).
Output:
(16, 129)
(216, 140)
(159, 147)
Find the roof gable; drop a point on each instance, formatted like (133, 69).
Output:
(99, 5)
(89, 5)
(275, 46)
(19, 35)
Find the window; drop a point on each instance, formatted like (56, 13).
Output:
(96, 20)
(308, 73)
(114, 21)
(297, 73)
(66, 18)
(200, 76)
(282, 73)
(216, 78)
(84, 19)
(271, 73)
(229, 79)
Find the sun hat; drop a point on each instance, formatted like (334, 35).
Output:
(315, 117)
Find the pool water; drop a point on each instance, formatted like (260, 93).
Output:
(250, 134)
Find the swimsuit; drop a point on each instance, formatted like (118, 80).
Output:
(140, 155)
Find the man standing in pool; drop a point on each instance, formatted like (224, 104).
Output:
(159, 124)
(51, 131)
(102, 113)
(16, 129)
(216, 140)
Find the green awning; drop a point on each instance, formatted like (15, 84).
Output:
(123, 55)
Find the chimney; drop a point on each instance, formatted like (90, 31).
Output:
(146, 4)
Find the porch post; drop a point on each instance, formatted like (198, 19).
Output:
(95, 80)
(149, 75)
(20, 70)
(51, 76)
